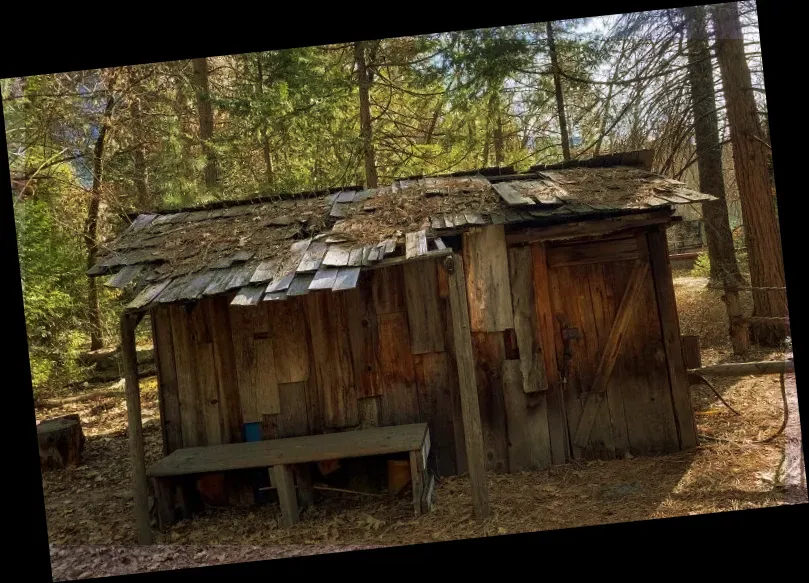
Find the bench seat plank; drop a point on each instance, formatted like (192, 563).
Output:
(294, 450)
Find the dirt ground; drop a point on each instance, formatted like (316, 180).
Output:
(91, 525)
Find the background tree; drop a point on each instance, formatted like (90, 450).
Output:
(750, 155)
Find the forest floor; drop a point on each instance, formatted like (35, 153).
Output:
(91, 523)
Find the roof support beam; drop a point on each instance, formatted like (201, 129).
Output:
(129, 323)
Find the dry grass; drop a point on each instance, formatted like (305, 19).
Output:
(728, 471)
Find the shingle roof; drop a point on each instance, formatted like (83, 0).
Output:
(287, 245)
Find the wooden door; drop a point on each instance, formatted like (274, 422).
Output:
(583, 298)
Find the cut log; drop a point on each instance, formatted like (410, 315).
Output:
(61, 441)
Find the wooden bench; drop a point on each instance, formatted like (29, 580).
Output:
(284, 454)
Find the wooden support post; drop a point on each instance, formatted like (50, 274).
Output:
(670, 328)
(610, 354)
(284, 481)
(303, 477)
(164, 500)
(417, 479)
(135, 427)
(470, 409)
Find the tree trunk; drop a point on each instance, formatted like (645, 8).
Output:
(205, 113)
(366, 131)
(269, 171)
(494, 121)
(91, 226)
(139, 175)
(750, 155)
(560, 97)
(724, 268)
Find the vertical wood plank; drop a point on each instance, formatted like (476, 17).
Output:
(473, 434)
(387, 289)
(225, 360)
(489, 351)
(529, 444)
(332, 358)
(135, 428)
(186, 376)
(170, 414)
(285, 483)
(164, 501)
(550, 340)
(487, 282)
(303, 479)
(604, 309)
(288, 335)
(421, 296)
(670, 325)
(417, 480)
(293, 419)
(435, 405)
(255, 362)
(397, 374)
(532, 361)
(643, 380)
(363, 332)
(454, 390)
(211, 425)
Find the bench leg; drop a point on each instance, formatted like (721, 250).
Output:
(417, 479)
(188, 496)
(164, 501)
(285, 483)
(303, 477)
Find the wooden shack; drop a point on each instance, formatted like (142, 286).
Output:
(528, 318)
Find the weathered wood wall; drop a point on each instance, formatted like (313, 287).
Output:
(323, 362)
(383, 354)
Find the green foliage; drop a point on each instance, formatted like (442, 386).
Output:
(702, 266)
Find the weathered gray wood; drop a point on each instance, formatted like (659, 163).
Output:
(292, 450)
(487, 282)
(439, 243)
(280, 284)
(346, 278)
(219, 281)
(300, 285)
(401, 259)
(526, 327)
(61, 441)
(275, 296)
(449, 221)
(135, 428)
(336, 256)
(346, 196)
(264, 272)
(509, 194)
(355, 257)
(240, 277)
(734, 369)
(285, 483)
(596, 394)
(337, 211)
(174, 289)
(145, 297)
(437, 223)
(324, 278)
(529, 443)
(248, 296)
(473, 434)
(196, 285)
(303, 480)
(415, 244)
(313, 257)
(124, 276)
(587, 228)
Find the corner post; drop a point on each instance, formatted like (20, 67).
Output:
(470, 409)
(135, 427)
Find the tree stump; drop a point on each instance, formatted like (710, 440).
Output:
(61, 441)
